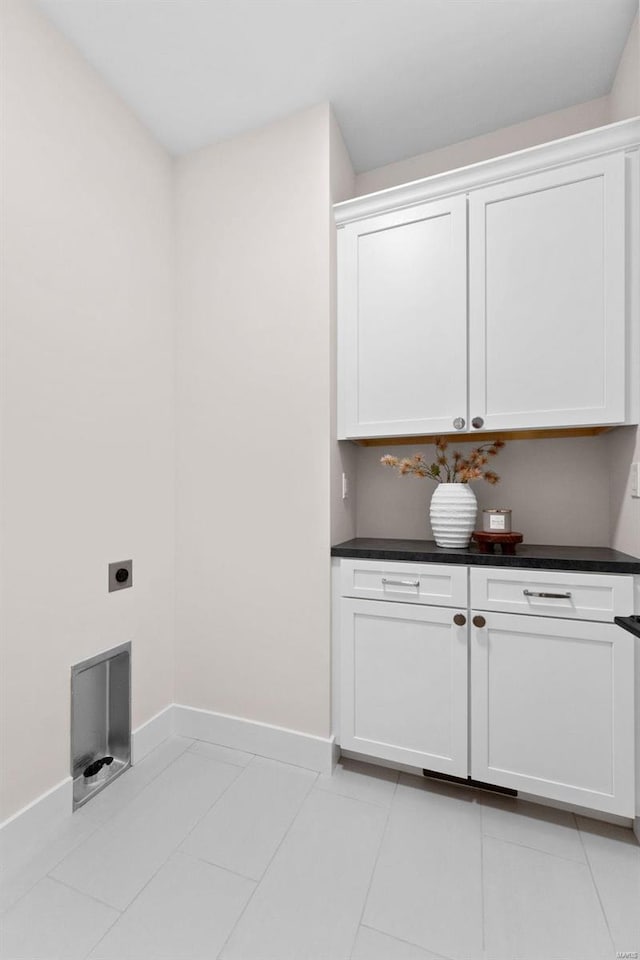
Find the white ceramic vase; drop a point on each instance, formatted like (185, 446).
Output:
(453, 513)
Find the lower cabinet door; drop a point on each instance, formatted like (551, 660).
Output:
(404, 684)
(552, 709)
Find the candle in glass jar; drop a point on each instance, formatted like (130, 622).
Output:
(496, 520)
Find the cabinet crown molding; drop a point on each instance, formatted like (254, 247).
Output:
(624, 135)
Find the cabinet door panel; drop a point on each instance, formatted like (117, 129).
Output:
(404, 684)
(552, 709)
(402, 307)
(547, 301)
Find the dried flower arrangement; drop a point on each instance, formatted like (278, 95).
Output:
(458, 469)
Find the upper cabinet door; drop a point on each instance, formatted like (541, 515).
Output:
(547, 298)
(402, 351)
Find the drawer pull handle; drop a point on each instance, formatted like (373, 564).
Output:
(401, 583)
(547, 596)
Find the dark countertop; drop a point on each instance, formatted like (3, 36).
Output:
(632, 624)
(537, 556)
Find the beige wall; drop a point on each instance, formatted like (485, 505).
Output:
(558, 491)
(623, 449)
(624, 99)
(519, 136)
(622, 102)
(253, 344)
(343, 454)
(86, 402)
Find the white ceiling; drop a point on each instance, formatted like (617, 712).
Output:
(404, 76)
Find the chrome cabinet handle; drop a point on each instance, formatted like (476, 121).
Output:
(549, 596)
(459, 423)
(401, 583)
(477, 423)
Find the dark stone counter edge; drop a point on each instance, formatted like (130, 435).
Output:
(633, 626)
(491, 560)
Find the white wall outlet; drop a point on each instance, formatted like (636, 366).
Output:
(345, 486)
(635, 479)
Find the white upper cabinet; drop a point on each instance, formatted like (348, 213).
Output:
(403, 320)
(502, 296)
(547, 298)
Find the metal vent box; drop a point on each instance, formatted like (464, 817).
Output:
(100, 720)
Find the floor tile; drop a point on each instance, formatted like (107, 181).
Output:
(372, 945)
(128, 785)
(186, 912)
(115, 862)
(427, 885)
(614, 856)
(53, 922)
(540, 906)
(245, 827)
(361, 781)
(13, 886)
(85, 821)
(309, 902)
(532, 825)
(214, 751)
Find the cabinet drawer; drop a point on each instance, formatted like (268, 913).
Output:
(575, 596)
(437, 584)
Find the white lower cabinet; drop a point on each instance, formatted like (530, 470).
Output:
(404, 684)
(542, 702)
(552, 709)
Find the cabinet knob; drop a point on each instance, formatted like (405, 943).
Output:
(479, 621)
(460, 619)
(477, 423)
(459, 423)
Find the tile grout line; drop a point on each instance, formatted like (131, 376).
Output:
(409, 943)
(483, 904)
(216, 866)
(231, 763)
(593, 881)
(266, 869)
(81, 893)
(349, 796)
(373, 868)
(95, 900)
(526, 846)
(171, 854)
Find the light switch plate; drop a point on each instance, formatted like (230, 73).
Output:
(120, 575)
(635, 480)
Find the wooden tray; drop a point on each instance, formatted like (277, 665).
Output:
(488, 541)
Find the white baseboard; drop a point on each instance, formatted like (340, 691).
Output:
(28, 830)
(151, 734)
(263, 739)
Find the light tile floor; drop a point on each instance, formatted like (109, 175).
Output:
(204, 853)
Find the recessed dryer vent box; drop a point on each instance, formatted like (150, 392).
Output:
(100, 721)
